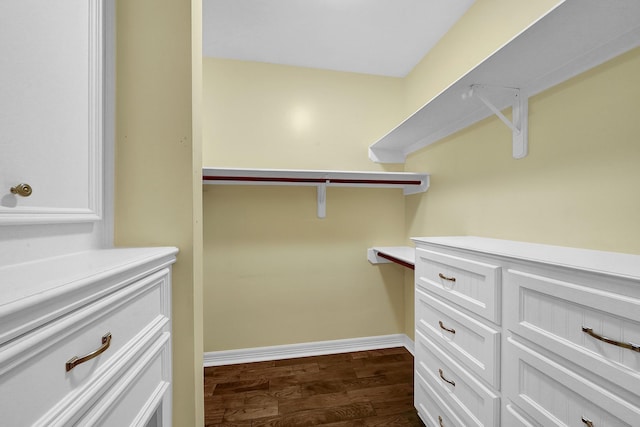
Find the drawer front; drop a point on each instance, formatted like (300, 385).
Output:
(556, 396)
(552, 313)
(474, 403)
(514, 418)
(471, 342)
(41, 356)
(433, 411)
(471, 284)
(134, 400)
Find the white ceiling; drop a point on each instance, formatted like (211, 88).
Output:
(382, 37)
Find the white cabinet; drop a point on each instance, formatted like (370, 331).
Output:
(51, 111)
(89, 345)
(457, 345)
(563, 350)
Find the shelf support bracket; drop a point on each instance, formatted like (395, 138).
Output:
(519, 123)
(322, 199)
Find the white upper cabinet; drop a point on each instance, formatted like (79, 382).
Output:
(572, 38)
(51, 111)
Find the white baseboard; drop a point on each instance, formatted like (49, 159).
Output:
(319, 348)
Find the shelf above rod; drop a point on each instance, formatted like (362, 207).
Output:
(411, 183)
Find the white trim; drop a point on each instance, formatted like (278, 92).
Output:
(410, 345)
(318, 348)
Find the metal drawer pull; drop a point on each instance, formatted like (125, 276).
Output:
(75, 361)
(627, 345)
(442, 276)
(446, 380)
(440, 421)
(453, 331)
(23, 190)
(588, 422)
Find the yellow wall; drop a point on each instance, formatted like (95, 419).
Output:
(578, 185)
(275, 273)
(275, 116)
(158, 190)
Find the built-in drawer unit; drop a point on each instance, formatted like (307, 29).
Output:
(556, 395)
(475, 403)
(53, 374)
(53, 355)
(561, 326)
(470, 341)
(471, 284)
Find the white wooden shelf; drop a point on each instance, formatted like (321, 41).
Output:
(403, 255)
(410, 183)
(572, 38)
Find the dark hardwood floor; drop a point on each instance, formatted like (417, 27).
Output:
(368, 388)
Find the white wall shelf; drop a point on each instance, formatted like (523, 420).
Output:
(403, 255)
(572, 38)
(411, 183)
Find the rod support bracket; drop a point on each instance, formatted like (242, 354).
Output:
(322, 199)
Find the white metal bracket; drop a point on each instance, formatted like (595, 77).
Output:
(519, 123)
(322, 199)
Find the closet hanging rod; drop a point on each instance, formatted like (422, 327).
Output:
(409, 182)
(396, 260)
(312, 180)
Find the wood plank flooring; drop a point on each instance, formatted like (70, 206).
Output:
(368, 388)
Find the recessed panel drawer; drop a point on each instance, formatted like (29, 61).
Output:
(432, 410)
(556, 396)
(471, 342)
(138, 393)
(514, 418)
(474, 403)
(578, 322)
(471, 284)
(40, 358)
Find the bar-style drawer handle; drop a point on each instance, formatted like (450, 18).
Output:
(446, 380)
(627, 345)
(443, 277)
(453, 331)
(75, 361)
(440, 421)
(587, 422)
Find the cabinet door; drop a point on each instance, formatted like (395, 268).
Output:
(51, 69)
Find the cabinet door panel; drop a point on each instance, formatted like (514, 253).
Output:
(51, 110)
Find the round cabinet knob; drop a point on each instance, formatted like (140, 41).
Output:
(23, 190)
